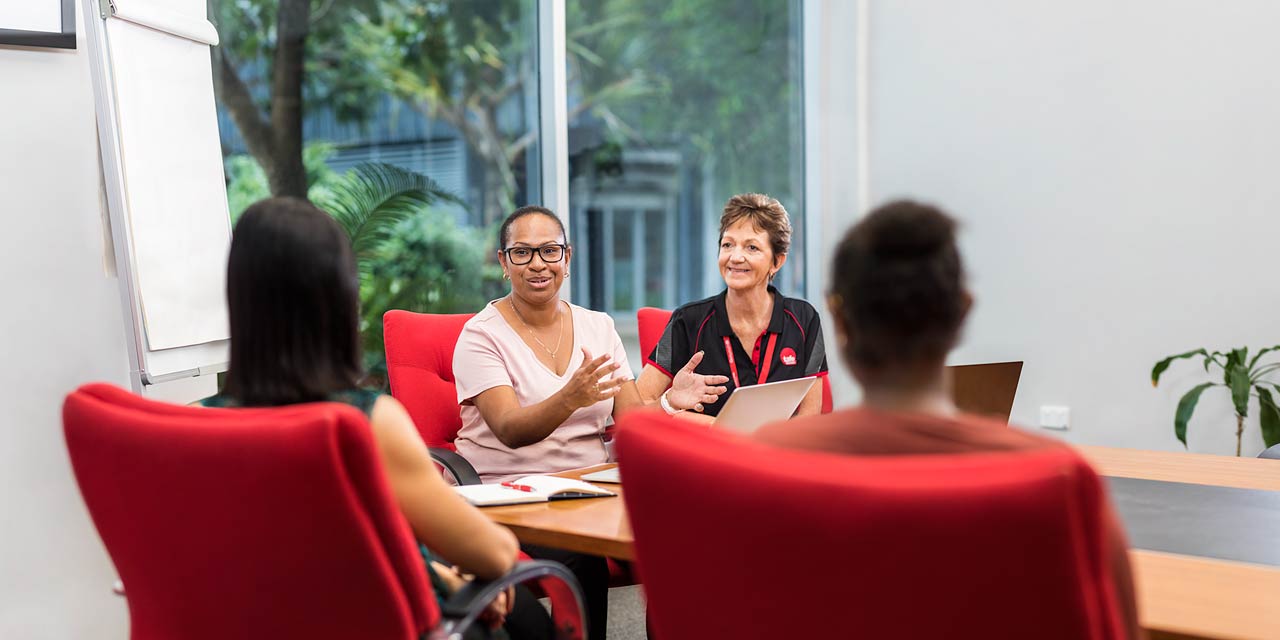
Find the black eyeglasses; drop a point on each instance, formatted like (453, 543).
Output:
(524, 255)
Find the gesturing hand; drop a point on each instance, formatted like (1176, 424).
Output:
(690, 390)
(586, 388)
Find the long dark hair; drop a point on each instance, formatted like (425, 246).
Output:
(293, 297)
(899, 283)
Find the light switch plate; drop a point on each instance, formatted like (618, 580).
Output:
(1055, 417)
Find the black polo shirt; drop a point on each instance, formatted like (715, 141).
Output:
(704, 325)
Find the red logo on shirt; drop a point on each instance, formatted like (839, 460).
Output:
(788, 356)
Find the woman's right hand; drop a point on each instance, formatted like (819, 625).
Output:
(586, 388)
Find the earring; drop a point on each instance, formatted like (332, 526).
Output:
(566, 274)
(506, 276)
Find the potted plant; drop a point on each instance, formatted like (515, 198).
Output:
(1244, 377)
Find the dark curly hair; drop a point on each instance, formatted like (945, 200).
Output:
(898, 282)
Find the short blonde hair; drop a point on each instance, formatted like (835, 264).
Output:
(764, 213)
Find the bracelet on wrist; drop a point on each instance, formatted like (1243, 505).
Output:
(666, 406)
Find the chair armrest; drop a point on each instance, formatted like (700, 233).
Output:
(462, 609)
(456, 465)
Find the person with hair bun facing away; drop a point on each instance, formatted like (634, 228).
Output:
(899, 301)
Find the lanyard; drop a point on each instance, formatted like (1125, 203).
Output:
(764, 364)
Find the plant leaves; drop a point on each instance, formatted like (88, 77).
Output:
(373, 197)
(1268, 417)
(1238, 356)
(1257, 374)
(1257, 356)
(1187, 406)
(1164, 364)
(1238, 380)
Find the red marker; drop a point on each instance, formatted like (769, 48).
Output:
(518, 487)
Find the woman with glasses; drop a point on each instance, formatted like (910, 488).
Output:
(538, 378)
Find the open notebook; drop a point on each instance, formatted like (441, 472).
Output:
(529, 489)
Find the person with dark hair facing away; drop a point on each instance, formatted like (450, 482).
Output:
(899, 301)
(749, 333)
(538, 378)
(292, 294)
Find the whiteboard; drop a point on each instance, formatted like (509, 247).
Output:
(166, 193)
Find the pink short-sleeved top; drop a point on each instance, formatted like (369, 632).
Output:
(491, 354)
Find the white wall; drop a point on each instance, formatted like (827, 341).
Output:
(1114, 165)
(62, 326)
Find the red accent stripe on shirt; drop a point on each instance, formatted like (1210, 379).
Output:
(659, 367)
(797, 321)
(698, 340)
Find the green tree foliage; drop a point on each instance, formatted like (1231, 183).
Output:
(713, 78)
(410, 255)
(277, 59)
(247, 182)
(430, 265)
(470, 64)
(723, 76)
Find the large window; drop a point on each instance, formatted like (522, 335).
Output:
(674, 106)
(425, 117)
(422, 116)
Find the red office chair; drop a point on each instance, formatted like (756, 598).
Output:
(735, 539)
(420, 369)
(651, 322)
(258, 523)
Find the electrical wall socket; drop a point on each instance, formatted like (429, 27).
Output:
(1055, 417)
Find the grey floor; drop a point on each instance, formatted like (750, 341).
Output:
(626, 613)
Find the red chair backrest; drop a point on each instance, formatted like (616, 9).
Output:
(420, 369)
(246, 523)
(651, 322)
(738, 540)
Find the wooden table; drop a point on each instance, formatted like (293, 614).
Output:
(1179, 597)
(597, 526)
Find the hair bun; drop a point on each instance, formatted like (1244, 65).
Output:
(908, 229)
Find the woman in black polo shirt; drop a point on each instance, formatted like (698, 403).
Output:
(750, 332)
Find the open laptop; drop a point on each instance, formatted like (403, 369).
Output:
(747, 409)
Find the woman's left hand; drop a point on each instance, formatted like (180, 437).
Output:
(495, 614)
(691, 390)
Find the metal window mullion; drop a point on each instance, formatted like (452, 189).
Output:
(669, 261)
(606, 239)
(553, 111)
(639, 263)
(814, 219)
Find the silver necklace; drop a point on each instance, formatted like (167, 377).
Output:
(559, 340)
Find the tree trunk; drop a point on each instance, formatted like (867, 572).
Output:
(276, 143)
(235, 96)
(287, 175)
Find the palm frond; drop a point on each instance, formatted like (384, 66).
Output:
(373, 197)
